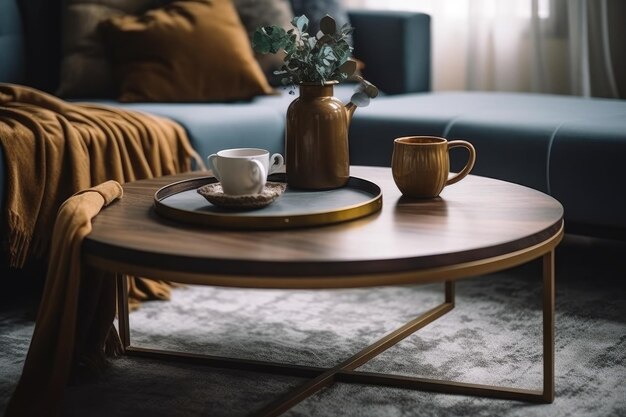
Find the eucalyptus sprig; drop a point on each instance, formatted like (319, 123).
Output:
(315, 59)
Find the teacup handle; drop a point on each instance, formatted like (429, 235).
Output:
(277, 161)
(470, 163)
(213, 166)
(258, 174)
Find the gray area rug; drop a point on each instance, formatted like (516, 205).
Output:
(493, 336)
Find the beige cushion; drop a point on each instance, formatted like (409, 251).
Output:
(191, 50)
(85, 70)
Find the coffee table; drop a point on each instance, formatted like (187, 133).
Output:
(476, 227)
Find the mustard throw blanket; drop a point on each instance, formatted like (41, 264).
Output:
(54, 148)
(75, 318)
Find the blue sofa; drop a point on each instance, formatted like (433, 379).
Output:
(569, 147)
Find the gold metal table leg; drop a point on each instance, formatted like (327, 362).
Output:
(449, 387)
(327, 378)
(345, 371)
(122, 310)
(548, 326)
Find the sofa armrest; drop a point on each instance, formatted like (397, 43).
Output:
(3, 180)
(395, 47)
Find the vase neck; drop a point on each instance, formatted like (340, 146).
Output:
(316, 90)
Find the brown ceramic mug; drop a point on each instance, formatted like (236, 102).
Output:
(421, 164)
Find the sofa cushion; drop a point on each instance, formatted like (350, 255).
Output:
(586, 171)
(215, 126)
(515, 137)
(2, 177)
(85, 68)
(190, 50)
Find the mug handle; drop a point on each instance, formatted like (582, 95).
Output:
(470, 163)
(257, 174)
(213, 166)
(277, 162)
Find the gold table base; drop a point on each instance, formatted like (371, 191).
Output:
(345, 371)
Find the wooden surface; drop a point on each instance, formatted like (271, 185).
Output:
(478, 221)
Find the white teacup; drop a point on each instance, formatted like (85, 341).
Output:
(244, 170)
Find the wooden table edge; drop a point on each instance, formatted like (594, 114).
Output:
(421, 276)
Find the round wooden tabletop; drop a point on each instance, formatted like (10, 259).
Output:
(477, 226)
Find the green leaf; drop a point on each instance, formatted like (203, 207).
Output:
(327, 52)
(261, 42)
(324, 39)
(346, 29)
(343, 51)
(301, 22)
(348, 68)
(291, 44)
(269, 39)
(322, 71)
(328, 25)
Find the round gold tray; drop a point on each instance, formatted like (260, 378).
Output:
(294, 208)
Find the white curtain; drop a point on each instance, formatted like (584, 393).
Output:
(547, 46)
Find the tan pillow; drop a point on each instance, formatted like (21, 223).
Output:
(193, 50)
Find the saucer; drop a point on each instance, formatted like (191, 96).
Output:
(215, 195)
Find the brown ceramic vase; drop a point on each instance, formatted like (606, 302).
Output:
(316, 139)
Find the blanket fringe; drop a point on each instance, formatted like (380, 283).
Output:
(19, 240)
(23, 244)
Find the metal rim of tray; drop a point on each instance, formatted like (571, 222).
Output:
(251, 220)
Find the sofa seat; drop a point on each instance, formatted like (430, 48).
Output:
(212, 126)
(259, 123)
(569, 147)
